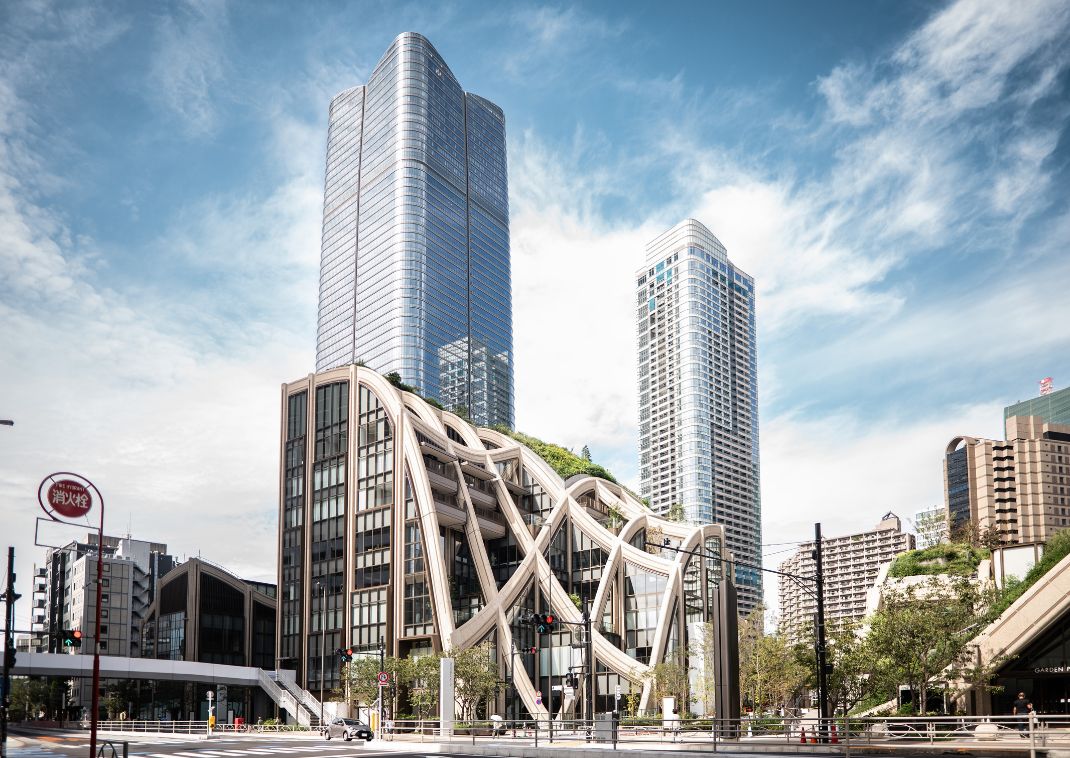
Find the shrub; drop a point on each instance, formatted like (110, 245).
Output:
(956, 559)
(563, 461)
(1057, 548)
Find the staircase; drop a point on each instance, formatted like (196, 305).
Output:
(286, 700)
(310, 706)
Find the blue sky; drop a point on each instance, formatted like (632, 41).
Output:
(893, 174)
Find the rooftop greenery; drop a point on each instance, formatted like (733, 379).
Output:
(1057, 548)
(565, 462)
(954, 559)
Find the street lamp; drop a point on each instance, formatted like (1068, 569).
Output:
(323, 640)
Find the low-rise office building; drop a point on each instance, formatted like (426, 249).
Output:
(131, 570)
(204, 613)
(403, 524)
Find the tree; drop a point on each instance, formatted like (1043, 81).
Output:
(30, 697)
(922, 629)
(932, 528)
(675, 512)
(362, 674)
(420, 675)
(585, 453)
(769, 671)
(704, 649)
(850, 681)
(669, 679)
(476, 673)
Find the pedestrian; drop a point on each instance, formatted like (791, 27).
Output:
(1022, 708)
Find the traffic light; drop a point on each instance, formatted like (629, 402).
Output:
(72, 638)
(543, 622)
(345, 656)
(9, 657)
(349, 654)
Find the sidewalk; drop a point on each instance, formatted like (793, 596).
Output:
(578, 748)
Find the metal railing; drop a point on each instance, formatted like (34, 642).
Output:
(139, 726)
(840, 734)
(136, 726)
(284, 698)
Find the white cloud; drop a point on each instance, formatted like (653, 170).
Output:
(168, 398)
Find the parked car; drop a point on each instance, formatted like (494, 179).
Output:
(347, 729)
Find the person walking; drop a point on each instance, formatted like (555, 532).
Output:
(1022, 708)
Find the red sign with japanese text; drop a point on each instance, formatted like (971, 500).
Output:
(69, 498)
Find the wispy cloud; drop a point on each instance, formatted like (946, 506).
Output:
(189, 63)
(550, 41)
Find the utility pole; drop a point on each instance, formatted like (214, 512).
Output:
(9, 647)
(589, 644)
(819, 646)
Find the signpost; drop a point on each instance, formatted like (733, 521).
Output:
(72, 496)
(384, 679)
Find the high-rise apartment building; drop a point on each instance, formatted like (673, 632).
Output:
(850, 566)
(1016, 490)
(1053, 407)
(415, 271)
(698, 392)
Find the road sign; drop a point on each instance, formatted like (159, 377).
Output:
(538, 700)
(383, 677)
(618, 690)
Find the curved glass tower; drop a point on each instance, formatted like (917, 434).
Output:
(414, 269)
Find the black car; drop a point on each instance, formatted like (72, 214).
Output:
(347, 729)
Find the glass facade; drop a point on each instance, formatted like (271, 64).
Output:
(958, 489)
(327, 531)
(292, 528)
(698, 392)
(416, 222)
(1053, 407)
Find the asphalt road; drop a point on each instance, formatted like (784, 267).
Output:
(33, 745)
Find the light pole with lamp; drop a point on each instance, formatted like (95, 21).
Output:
(323, 640)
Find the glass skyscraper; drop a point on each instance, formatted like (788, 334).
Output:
(414, 270)
(698, 392)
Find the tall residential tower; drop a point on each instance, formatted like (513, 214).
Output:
(698, 396)
(414, 270)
